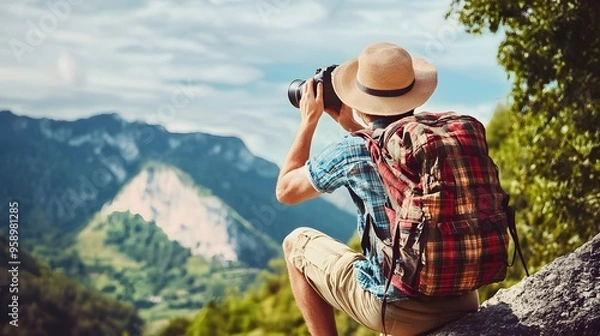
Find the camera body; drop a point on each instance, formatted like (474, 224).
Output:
(322, 75)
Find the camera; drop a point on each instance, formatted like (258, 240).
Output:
(322, 75)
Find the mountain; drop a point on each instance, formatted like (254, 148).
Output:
(133, 260)
(166, 221)
(68, 170)
(192, 216)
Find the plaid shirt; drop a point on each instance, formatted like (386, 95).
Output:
(348, 164)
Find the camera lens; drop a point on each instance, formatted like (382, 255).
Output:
(322, 75)
(295, 92)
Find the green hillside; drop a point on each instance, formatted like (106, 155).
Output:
(51, 304)
(134, 261)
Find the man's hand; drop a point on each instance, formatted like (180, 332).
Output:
(293, 184)
(311, 106)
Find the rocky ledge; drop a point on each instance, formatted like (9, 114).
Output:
(563, 298)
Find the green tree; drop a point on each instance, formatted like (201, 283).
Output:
(550, 155)
(176, 327)
(49, 303)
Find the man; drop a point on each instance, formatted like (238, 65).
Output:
(382, 85)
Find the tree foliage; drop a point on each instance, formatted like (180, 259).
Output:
(550, 151)
(49, 303)
(175, 327)
(137, 263)
(144, 242)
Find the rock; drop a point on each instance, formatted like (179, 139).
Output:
(563, 298)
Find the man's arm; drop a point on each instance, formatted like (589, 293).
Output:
(293, 184)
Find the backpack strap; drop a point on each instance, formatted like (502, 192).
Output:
(372, 137)
(378, 138)
(366, 242)
(512, 229)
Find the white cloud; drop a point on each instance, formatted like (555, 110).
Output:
(69, 69)
(74, 37)
(234, 74)
(237, 58)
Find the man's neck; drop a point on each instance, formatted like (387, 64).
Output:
(383, 122)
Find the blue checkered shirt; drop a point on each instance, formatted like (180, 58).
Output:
(348, 164)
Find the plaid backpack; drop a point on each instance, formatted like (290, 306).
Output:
(448, 214)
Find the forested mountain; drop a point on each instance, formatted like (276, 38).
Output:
(67, 170)
(132, 260)
(164, 221)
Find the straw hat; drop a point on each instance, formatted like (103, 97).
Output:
(384, 80)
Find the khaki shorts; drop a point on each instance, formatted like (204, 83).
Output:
(328, 266)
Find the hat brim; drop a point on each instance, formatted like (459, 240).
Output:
(344, 84)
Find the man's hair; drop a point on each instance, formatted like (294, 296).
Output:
(373, 117)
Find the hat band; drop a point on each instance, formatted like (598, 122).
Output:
(385, 93)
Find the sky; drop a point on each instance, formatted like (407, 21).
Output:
(223, 66)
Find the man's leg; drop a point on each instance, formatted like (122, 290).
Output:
(317, 313)
(322, 276)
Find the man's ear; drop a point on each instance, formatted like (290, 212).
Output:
(362, 118)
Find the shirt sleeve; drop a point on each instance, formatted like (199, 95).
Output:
(330, 169)
(327, 171)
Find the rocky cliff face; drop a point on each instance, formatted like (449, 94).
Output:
(563, 298)
(199, 222)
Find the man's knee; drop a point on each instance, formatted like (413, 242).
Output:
(291, 239)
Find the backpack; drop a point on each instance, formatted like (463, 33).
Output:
(448, 214)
